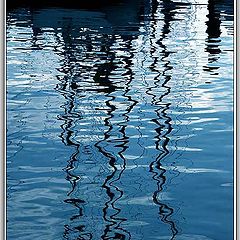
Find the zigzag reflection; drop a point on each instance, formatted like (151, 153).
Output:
(167, 8)
(125, 107)
(111, 147)
(70, 117)
(113, 229)
(69, 88)
(101, 77)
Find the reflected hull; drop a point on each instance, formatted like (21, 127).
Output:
(93, 4)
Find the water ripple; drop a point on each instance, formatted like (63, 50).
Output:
(120, 121)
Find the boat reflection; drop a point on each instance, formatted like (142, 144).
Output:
(98, 59)
(80, 79)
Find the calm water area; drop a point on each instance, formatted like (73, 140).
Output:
(120, 121)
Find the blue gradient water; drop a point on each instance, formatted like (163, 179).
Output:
(120, 122)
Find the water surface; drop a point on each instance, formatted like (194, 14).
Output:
(120, 121)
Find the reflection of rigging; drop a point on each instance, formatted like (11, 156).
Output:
(107, 185)
(94, 76)
(68, 87)
(164, 128)
(101, 77)
(108, 181)
(113, 191)
(70, 117)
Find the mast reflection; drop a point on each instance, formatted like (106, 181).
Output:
(213, 39)
(162, 120)
(76, 80)
(113, 229)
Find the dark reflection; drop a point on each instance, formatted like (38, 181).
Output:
(168, 9)
(213, 39)
(69, 117)
(67, 87)
(113, 229)
(103, 70)
(70, 4)
(101, 78)
(213, 24)
(78, 77)
(95, 73)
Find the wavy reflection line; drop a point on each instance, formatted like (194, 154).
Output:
(123, 125)
(69, 118)
(67, 139)
(113, 191)
(101, 77)
(156, 168)
(111, 162)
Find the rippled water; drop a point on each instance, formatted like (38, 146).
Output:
(120, 121)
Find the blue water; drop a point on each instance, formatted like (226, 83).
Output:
(120, 121)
